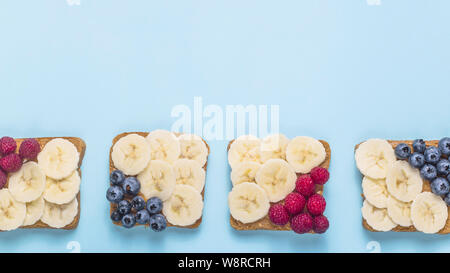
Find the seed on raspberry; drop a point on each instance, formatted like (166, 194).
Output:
(320, 175)
(7, 145)
(316, 204)
(29, 149)
(278, 215)
(305, 185)
(302, 223)
(11, 163)
(294, 203)
(320, 224)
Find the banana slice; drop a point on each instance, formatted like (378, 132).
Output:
(245, 172)
(28, 183)
(35, 210)
(59, 158)
(157, 180)
(377, 218)
(277, 178)
(403, 181)
(248, 202)
(184, 207)
(164, 145)
(274, 147)
(305, 153)
(189, 172)
(193, 147)
(244, 148)
(131, 154)
(374, 157)
(62, 191)
(375, 191)
(400, 212)
(59, 216)
(429, 212)
(12, 212)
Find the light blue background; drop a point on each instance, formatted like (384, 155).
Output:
(343, 71)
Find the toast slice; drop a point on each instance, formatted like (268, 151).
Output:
(81, 148)
(426, 188)
(112, 168)
(265, 223)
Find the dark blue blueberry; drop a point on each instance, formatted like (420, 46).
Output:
(402, 151)
(138, 203)
(432, 155)
(417, 160)
(428, 172)
(154, 205)
(447, 199)
(444, 146)
(116, 216)
(443, 167)
(117, 177)
(419, 146)
(131, 186)
(158, 222)
(124, 207)
(142, 217)
(440, 186)
(114, 194)
(128, 220)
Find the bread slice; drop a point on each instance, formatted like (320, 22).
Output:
(265, 223)
(426, 187)
(81, 147)
(112, 168)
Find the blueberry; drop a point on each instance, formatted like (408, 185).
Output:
(116, 216)
(402, 151)
(154, 205)
(142, 216)
(443, 167)
(419, 146)
(124, 207)
(417, 160)
(158, 222)
(444, 146)
(440, 186)
(131, 186)
(128, 220)
(432, 155)
(428, 172)
(138, 203)
(117, 177)
(447, 199)
(114, 194)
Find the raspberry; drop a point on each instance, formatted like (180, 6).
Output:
(278, 215)
(320, 224)
(305, 185)
(11, 163)
(294, 203)
(316, 204)
(302, 223)
(320, 175)
(3, 179)
(7, 145)
(29, 149)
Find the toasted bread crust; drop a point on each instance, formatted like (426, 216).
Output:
(265, 223)
(112, 168)
(426, 188)
(81, 147)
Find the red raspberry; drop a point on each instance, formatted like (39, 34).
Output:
(320, 175)
(7, 145)
(278, 215)
(305, 185)
(302, 223)
(294, 203)
(320, 224)
(3, 179)
(316, 204)
(11, 163)
(29, 149)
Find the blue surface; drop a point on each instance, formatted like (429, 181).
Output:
(343, 71)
